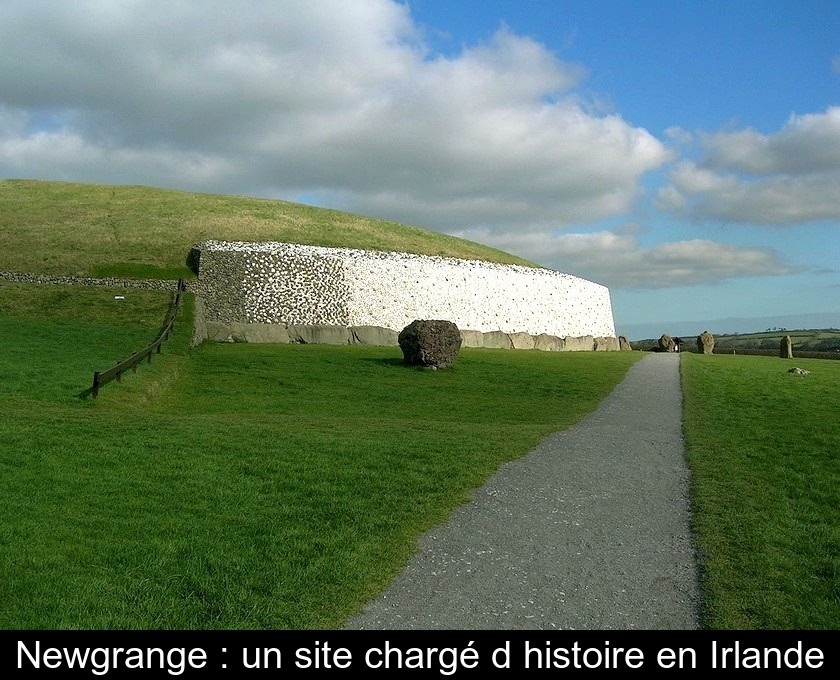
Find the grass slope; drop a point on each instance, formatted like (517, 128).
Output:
(94, 230)
(240, 486)
(763, 448)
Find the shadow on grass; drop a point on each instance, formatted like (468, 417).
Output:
(388, 361)
(400, 363)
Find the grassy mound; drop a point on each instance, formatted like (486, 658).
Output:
(141, 232)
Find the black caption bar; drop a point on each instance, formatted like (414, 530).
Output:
(439, 654)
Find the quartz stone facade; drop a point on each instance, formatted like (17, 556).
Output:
(291, 284)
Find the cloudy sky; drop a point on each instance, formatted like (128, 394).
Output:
(684, 153)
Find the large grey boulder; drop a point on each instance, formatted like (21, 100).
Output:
(666, 343)
(624, 344)
(430, 342)
(706, 343)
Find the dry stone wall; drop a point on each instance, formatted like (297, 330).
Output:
(296, 285)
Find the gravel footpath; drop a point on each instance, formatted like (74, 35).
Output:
(588, 531)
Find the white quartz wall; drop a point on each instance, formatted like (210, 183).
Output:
(295, 284)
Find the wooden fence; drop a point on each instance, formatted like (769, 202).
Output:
(115, 373)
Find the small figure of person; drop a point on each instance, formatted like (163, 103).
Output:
(677, 342)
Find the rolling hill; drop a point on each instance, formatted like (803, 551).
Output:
(73, 229)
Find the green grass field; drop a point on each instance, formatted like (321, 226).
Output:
(246, 486)
(763, 446)
(240, 486)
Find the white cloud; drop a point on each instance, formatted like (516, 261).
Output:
(679, 136)
(789, 177)
(618, 259)
(806, 144)
(331, 98)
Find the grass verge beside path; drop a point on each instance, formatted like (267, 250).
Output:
(763, 447)
(262, 487)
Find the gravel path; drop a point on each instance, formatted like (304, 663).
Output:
(590, 530)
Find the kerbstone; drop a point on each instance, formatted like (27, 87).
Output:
(316, 334)
(521, 340)
(606, 344)
(497, 340)
(549, 343)
(584, 343)
(267, 333)
(472, 338)
(374, 336)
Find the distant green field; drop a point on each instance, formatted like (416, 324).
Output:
(142, 232)
(812, 343)
(814, 340)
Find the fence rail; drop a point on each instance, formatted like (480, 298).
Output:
(115, 372)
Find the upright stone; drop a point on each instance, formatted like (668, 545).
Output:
(666, 343)
(706, 343)
(624, 344)
(786, 348)
(431, 343)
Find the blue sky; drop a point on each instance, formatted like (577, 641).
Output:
(685, 154)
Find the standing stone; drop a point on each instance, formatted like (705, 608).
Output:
(194, 259)
(706, 343)
(786, 348)
(431, 343)
(666, 343)
(624, 344)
